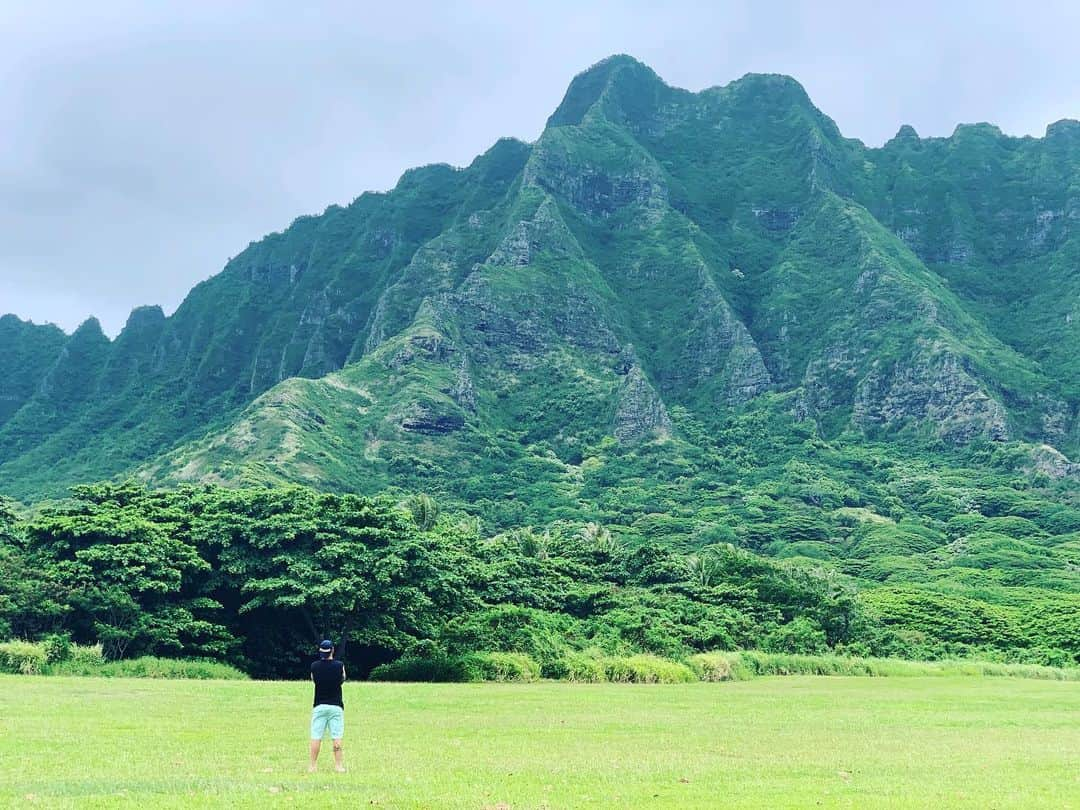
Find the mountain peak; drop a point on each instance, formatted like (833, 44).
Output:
(613, 62)
(1065, 128)
(764, 90)
(771, 97)
(588, 86)
(142, 319)
(12, 321)
(89, 329)
(905, 136)
(981, 129)
(776, 84)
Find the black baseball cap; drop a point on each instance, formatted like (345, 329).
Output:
(326, 647)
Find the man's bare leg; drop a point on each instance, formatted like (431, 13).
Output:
(315, 746)
(339, 757)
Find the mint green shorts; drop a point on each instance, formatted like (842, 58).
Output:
(325, 717)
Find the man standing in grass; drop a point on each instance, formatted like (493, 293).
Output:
(329, 709)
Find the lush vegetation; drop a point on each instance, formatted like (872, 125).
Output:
(57, 655)
(251, 577)
(592, 667)
(768, 742)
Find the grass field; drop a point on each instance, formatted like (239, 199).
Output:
(770, 742)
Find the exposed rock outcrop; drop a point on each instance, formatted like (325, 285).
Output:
(435, 268)
(429, 419)
(529, 320)
(640, 413)
(545, 231)
(776, 220)
(464, 390)
(599, 191)
(938, 390)
(1055, 419)
(1053, 463)
(718, 348)
(828, 383)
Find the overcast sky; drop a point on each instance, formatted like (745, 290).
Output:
(142, 144)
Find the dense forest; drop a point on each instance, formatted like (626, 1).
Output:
(251, 576)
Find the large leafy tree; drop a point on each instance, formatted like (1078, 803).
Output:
(34, 599)
(134, 576)
(299, 565)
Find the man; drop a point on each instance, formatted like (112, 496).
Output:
(329, 709)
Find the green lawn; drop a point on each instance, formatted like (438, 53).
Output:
(769, 742)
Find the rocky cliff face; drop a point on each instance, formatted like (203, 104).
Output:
(654, 248)
(640, 413)
(1050, 462)
(937, 391)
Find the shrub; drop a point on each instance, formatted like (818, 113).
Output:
(57, 647)
(1046, 656)
(764, 663)
(88, 661)
(719, 666)
(646, 669)
(424, 648)
(23, 658)
(944, 617)
(86, 655)
(151, 667)
(501, 666)
(801, 635)
(582, 668)
(511, 629)
(427, 669)
(442, 668)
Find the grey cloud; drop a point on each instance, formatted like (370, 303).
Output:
(143, 144)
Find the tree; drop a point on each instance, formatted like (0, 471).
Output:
(424, 511)
(599, 537)
(355, 568)
(132, 579)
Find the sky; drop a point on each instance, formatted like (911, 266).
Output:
(144, 144)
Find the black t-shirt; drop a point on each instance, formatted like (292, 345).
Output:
(328, 675)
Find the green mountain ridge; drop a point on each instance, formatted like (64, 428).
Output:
(656, 266)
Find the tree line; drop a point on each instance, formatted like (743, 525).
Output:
(254, 577)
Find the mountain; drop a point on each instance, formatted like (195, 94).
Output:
(658, 267)
(295, 303)
(29, 351)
